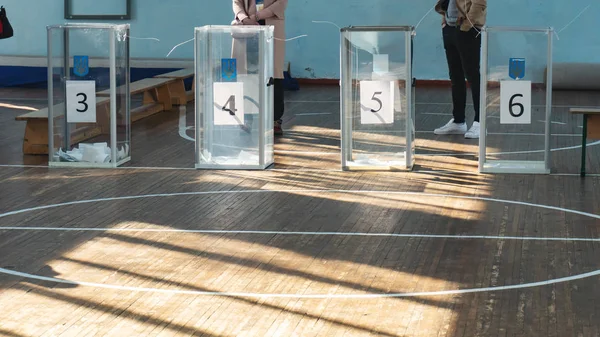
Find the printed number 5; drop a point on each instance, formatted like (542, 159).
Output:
(511, 105)
(377, 100)
(231, 103)
(82, 102)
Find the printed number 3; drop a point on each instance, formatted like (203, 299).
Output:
(82, 102)
(231, 103)
(377, 100)
(511, 105)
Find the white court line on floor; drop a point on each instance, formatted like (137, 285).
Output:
(318, 191)
(310, 169)
(158, 168)
(301, 101)
(314, 114)
(337, 101)
(296, 233)
(552, 122)
(319, 296)
(267, 170)
(24, 166)
(182, 128)
(332, 153)
(450, 103)
(540, 151)
(489, 133)
(447, 154)
(442, 114)
(306, 152)
(507, 133)
(312, 296)
(494, 116)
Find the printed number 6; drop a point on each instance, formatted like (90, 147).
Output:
(82, 102)
(511, 105)
(377, 100)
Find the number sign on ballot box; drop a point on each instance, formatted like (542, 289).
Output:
(515, 102)
(377, 102)
(81, 102)
(228, 103)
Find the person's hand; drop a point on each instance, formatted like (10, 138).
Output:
(249, 22)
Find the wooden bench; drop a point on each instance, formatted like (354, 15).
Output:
(157, 96)
(35, 140)
(591, 129)
(178, 92)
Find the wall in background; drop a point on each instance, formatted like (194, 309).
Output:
(317, 56)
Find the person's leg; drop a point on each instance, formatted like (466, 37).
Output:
(459, 86)
(457, 76)
(278, 105)
(469, 45)
(250, 62)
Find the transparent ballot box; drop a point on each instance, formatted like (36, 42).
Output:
(87, 129)
(234, 97)
(516, 100)
(377, 98)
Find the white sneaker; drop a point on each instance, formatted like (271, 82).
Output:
(473, 132)
(452, 129)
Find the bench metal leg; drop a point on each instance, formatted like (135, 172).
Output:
(584, 144)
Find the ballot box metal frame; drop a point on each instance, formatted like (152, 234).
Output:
(514, 166)
(347, 105)
(112, 66)
(204, 88)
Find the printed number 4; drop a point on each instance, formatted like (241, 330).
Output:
(82, 102)
(511, 105)
(231, 103)
(377, 100)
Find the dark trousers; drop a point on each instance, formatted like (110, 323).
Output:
(252, 50)
(278, 105)
(463, 56)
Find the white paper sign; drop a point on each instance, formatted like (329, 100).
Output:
(377, 102)
(515, 102)
(251, 98)
(228, 103)
(81, 102)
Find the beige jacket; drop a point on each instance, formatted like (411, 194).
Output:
(274, 15)
(471, 13)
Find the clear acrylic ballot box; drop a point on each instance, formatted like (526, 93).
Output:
(84, 129)
(377, 98)
(516, 100)
(234, 97)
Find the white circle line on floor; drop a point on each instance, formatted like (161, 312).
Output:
(317, 191)
(306, 296)
(257, 232)
(158, 168)
(313, 296)
(182, 129)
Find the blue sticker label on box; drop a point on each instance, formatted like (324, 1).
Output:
(81, 65)
(229, 70)
(516, 68)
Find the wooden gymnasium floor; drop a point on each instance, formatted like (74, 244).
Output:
(302, 249)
